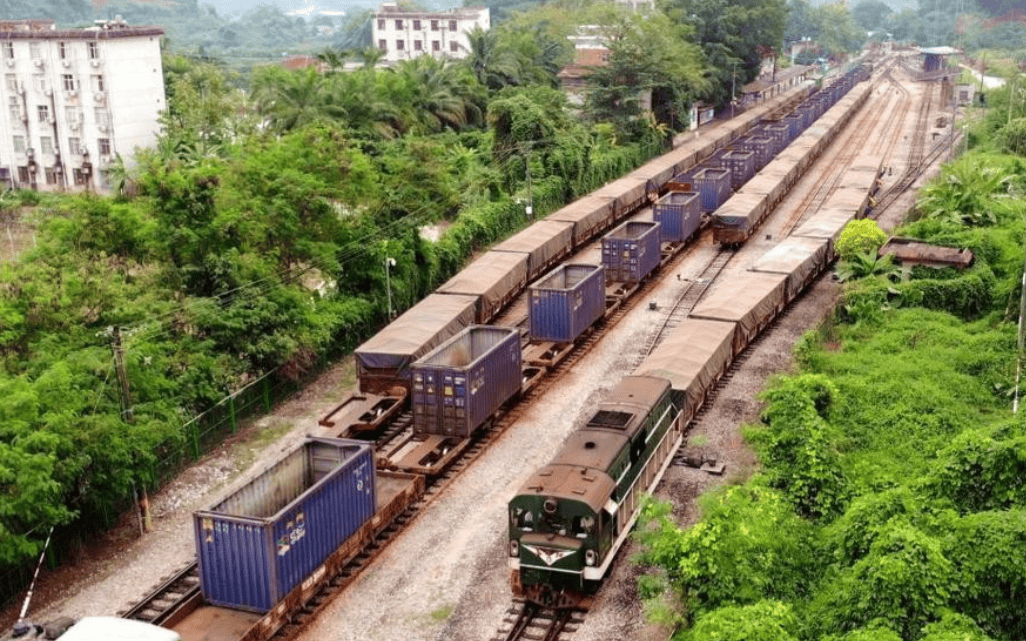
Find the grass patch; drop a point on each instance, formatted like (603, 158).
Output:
(441, 614)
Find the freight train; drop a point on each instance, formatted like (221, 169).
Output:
(570, 518)
(257, 547)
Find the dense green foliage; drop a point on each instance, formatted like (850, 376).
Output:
(891, 503)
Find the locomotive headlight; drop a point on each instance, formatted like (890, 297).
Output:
(514, 547)
(589, 557)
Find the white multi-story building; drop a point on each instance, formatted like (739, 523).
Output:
(403, 35)
(75, 98)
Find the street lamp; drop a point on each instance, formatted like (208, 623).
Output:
(389, 263)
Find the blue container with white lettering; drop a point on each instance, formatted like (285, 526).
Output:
(261, 541)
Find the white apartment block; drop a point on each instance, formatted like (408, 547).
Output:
(74, 98)
(404, 35)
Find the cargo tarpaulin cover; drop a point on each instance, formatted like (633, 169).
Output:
(627, 191)
(751, 299)
(589, 215)
(544, 242)
(389, 353)
(495, 277)
(826, 223)
(656, 171)
(692, 357)
(741, 211)
(800, 257)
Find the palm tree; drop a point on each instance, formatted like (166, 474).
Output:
(434, 93)
(335, 59)
(493, 65)
(371, 56)
(288, 100)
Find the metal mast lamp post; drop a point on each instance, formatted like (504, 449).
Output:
(389, 264)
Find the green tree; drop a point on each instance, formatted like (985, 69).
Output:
(732, 34)
(858, 237)
(650, 60)
(493, 64)
(761, 621)
(871, 15)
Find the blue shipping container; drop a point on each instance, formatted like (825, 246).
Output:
(714, 185)
(741, 165)
(459, 385)
(631, 251)
(566, 302)
(679, 213)
(258, 544)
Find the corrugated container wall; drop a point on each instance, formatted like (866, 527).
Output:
(462, 382)
(679, 214)
(567, 302)
(714, 185)
(258, 544)
(631, 251)
(741, 165)
(761, 146)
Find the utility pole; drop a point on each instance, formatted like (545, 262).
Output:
(529, 208)
(119, 365)
(142, 504)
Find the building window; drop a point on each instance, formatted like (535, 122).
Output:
(46, 145)
(69, 82)
(43, 111)
(382, 45)
(51, 176)
(15, 113)
(62, 50)
(400, 45)
(11, 81)
(94, 51)
(454, 46)
(39, 82)
(102, 118)
(434, 25)
(381, 24)
(72, 115)
(416, 25)
(452, 25)
(436, 45)
(80, 176)
(19, 144)
(74, 146)
(35, 50)
(103, 144)
(9, 50)
(399, 24)
(23, 175)
(418, 45)
(98, 86)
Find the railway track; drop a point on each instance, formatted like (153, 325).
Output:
(687, 300)
(858, 136)
(918, 159)
(529, 621)
(161, 605)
